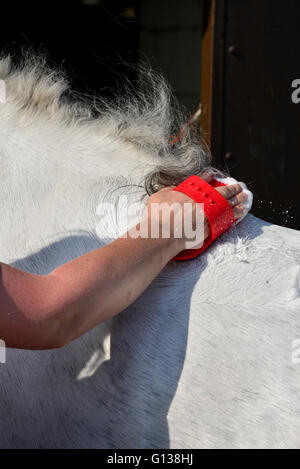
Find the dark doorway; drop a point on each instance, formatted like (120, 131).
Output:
(92, 39)
(255, 125)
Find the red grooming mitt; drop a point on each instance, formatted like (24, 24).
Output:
(217, 209)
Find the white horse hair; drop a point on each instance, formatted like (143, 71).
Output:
(207, 356)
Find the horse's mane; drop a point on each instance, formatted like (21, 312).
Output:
(144, 113)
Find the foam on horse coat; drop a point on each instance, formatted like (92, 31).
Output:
(206, 357)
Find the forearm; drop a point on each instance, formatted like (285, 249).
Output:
(109, 279)
(49, 311)
(27, 309)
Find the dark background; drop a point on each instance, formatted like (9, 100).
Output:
(258, 138)
(89, 39)
(260, 123)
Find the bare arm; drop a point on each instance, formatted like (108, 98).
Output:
(48, 311)
(39, 312)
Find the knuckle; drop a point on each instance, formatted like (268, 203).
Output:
(234, 200)
(236, 187)
(231, 191)
(239, 198)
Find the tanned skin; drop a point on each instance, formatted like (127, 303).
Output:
(49, 311)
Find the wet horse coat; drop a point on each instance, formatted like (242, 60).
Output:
(206, 357)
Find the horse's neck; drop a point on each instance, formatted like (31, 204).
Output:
(53, 180)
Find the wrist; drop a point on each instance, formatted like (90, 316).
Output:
(169, 245)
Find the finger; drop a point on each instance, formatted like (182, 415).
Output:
(238, 199)
(207, 176)
(238, 211)
(229, 191)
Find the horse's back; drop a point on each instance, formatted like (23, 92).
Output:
(207, 355)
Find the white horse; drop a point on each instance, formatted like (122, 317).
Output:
(207, 357)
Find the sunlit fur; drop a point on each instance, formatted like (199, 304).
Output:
(206, 355)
